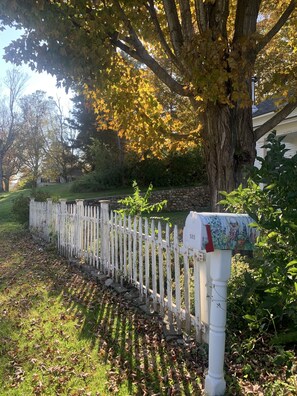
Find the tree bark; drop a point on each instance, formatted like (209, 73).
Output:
(229, 146)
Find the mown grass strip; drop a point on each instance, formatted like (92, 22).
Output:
(62, 334)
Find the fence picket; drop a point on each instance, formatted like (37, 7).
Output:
(134, 249)
(168, 274)
(161, 270)
(177, 278)
(140, 247)
(187, 292)
(125, 247)
(130, 278)
(121, 263)
(154, 267)
(147, 258)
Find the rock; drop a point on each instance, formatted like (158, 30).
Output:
(119, 289)
(170, 333)
(108, 282)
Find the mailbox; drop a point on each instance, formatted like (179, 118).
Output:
(223, 231)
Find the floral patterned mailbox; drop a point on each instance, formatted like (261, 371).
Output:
(223, 231)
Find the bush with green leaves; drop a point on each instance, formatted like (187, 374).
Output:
(174, 169)
(20, 209)
(270, 198)
(21, 204)
(138, 204)
(94, 181)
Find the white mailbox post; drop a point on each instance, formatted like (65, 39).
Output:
(218, 234)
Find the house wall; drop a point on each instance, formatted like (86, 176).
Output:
(287, 128)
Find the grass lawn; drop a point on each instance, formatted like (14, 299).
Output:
(63, 191)
(62, 334)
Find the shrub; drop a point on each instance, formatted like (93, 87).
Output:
(20, 209)
(21, 204)
(95, 181)
(137, 204)
(175, 169)
(273, 207)
(40, 196)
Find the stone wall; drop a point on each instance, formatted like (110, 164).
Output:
(178, 199)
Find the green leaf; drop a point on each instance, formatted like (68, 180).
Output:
(291, 263)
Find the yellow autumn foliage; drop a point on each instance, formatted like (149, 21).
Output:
(128, 103)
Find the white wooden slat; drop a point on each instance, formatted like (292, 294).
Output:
(147, 257)
(168, 273)
(134, 270)
(140, 249)
(177, 276)
(154, 266)
(97, 236)
(161, 271)
(129, 250)
(93, 231)
(125, 247)
(112, 244)
(187, 292)
(90, 224)
(121, 261)
(197, 298)
(116, 247)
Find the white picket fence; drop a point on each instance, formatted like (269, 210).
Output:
(172, 279)
(133, 250)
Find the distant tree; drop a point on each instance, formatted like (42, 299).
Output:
(43, 145)
(12, 163)
(60, 157)
(89, 131)
(9, 122)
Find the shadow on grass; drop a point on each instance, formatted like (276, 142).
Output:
(131, 343)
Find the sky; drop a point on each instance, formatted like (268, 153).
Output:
(37, 81)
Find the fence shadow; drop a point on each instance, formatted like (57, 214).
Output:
(132, 343)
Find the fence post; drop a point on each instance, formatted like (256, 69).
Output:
(49, 210)
(105, 236)
(32, 213)
(79, 224)
(220, 269)
(62, 226)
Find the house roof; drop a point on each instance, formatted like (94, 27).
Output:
(265, 107)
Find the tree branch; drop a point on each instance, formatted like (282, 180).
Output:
(140, 53)
(247, 12)
(160, 33)
(276, 28)
(186, 19)
(216, 17)
(160, 72)
(173, 25)
(200, 15)
(275, 120)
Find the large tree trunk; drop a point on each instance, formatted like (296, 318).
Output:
(229, 145)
